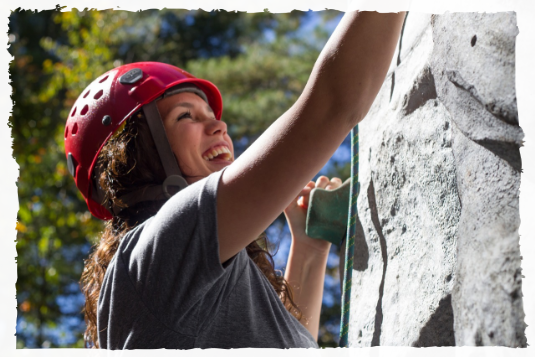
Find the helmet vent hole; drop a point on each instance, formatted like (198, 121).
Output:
(103, 79)
(99, 94)
(74, 129)
(66, 132)
(87, 93)
(84, 110)
(73, 112)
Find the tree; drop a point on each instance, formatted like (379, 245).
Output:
(48, 265)
(259, 61)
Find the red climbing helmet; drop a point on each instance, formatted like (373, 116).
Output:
(106, 103)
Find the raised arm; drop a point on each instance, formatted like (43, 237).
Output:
(347, 76)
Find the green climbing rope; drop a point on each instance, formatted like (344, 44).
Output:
(350, 244)
(350, 239)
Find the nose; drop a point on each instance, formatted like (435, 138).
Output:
(215, 127)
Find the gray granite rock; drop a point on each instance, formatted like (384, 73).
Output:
(474, 67)
(437, 260)
(487, 294)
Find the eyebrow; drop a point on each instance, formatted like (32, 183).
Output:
(185, 105)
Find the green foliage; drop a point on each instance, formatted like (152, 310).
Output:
(260, 62)
(52, 218)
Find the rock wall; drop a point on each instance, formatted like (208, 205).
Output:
(437, 258)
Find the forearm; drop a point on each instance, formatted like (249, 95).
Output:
(305, 273)
(353, 64)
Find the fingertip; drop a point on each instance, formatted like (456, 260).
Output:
(322, 181)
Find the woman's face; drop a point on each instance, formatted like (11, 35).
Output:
(200, 141)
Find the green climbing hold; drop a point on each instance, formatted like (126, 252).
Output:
(327, 213)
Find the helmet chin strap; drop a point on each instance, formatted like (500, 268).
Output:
(174, 181)
(165, 152)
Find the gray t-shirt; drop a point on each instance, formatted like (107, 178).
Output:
(166, 288)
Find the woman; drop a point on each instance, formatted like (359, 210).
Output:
(180, 264)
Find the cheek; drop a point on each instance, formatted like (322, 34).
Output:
(231, 146)
(185, 142)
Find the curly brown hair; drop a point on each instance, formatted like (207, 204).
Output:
(126, 164)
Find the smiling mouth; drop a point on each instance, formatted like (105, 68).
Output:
(218, 152)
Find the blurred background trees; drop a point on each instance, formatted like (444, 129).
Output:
(260, 62)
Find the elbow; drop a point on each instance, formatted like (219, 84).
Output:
(348, 104)
(350, 110)
(356, 115)
(354, 104)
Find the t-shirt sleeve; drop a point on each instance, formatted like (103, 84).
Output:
(173, 262)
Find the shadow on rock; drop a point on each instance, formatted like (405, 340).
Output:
(438, 331)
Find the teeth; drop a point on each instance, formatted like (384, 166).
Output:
(218, 151)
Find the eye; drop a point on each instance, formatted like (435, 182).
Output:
(184, 115)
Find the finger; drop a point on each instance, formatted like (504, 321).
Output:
(322, 182)
(305, 191)
(301, 202)
(334, 184)
(303, 198)
(298, 201)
